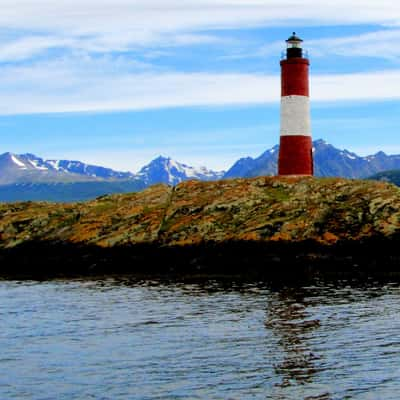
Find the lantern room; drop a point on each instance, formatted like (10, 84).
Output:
(294, 48)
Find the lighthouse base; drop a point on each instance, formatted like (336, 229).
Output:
(295, 155)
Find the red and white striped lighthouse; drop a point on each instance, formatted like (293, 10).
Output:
(295, 152)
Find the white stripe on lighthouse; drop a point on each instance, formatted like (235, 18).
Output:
(295, 116)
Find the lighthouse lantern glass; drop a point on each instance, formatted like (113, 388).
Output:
(293, 44)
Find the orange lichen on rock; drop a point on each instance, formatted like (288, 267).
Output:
(329, 237)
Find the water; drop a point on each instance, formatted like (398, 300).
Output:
(122, 339)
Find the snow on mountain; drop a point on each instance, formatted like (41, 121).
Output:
(15, 160)
(54, 164)
(166, 170)
(25, 161)
(78, 167)
(34, 162)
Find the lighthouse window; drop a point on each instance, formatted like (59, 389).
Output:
(293, 45)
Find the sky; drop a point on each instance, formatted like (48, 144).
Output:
(119, 82)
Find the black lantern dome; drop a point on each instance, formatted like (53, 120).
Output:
(294, 48)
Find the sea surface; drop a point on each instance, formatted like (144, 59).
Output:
(121, 338)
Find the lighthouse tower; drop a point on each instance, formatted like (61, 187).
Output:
(295, 152)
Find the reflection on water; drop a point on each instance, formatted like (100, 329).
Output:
(287, 316)
(124, 338)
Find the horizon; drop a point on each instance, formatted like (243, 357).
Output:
(119, 83)
(166, 157)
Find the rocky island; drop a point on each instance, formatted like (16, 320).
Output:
(274, 226)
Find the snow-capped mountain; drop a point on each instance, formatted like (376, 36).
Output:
(328, 161)
(166, 170)
(23, 162)
(30, 168)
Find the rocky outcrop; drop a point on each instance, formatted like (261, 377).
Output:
(264, 224)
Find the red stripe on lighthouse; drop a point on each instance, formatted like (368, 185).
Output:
(294, 77)
(295, 155)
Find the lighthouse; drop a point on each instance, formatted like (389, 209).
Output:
(295, 151)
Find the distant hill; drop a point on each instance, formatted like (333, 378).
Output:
(328, 161)
(66, 191)
(388, 176)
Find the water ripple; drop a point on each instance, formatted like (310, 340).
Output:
(122, 338)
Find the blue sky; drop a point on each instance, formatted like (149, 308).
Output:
(120, 82)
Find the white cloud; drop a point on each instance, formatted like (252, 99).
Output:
(105, 84)
(118, 25)
(26, 47)
(379, 44)
(79, 16)
(141, 91)
(382, 85)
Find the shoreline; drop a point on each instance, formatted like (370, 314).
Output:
(277, 261)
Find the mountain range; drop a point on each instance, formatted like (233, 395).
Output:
(28, 168)
(29, 177)
(328, 161)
